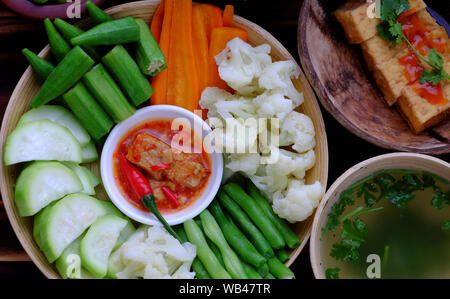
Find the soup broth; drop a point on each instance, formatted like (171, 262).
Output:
(407, 242)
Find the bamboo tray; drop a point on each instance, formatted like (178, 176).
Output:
(29, 85)
(346, 89)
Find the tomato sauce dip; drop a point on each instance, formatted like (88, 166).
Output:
(149, 147)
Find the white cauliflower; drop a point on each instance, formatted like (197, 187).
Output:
(298, 202)
(240, 65)
(277, 76)
(247, 163)
(152, 252)
(297, 129)
(273, 104)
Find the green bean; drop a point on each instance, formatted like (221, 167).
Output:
(279, 270)
(289, 236)
(282, 255)
(249, 205)
(213, 232)
(244, 248)
(246, 225)
(197, 266)
(211, 245)
(263, 270)
(251, 272)
(204, 253)
(269, 276)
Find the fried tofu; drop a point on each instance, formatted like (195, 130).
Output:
(416, 5)
(429, 22)
(357, 24)
(420, 113)
(391, 78)
(378, 51)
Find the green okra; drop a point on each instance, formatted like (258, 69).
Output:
(114, 32)
(58, 45)
(127, 74)
(70, 31)
(148, 54)
(108, 94)
(68, 72)
(41, 67)
(97, 15)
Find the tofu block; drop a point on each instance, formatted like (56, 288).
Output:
(429, 22)
(416, 5)
(391, 78)
(378, 51)
(420, 113)
(355, 20)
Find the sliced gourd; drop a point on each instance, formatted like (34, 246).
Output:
(41, 140)
(61, 116)
(95, 180)
(89, 153)
(115, 264)
(98, 243)
(38, 222)
(40, 183)
(128, 230)
(69, 263)
(84, 176)
(66, 221)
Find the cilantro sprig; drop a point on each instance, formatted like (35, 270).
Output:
(391, 30)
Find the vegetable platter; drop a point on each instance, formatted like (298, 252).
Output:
(29, 85)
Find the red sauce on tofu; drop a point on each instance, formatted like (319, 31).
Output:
(148, 146)
(419, 36)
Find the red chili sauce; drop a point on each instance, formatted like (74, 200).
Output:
(148, 146)
(419, 36)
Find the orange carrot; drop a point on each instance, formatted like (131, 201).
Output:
(219, 39)
(228, 14)
(213, 18)
(201, 45)
(159, 83)
(182, 80)
(157, 21)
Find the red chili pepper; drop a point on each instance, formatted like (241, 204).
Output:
(136, 179)
(170, 196)
(160, 166)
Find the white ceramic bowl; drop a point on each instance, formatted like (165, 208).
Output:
(141, 116)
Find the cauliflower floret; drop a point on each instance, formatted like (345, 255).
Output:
(297, 129)
(273, 104)
(277, 76)
(246, 163)
(240, 65)
(298, 202)
(210, 97)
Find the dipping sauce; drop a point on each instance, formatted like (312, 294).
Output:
(149, 147)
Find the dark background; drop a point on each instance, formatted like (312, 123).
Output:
(278, 17)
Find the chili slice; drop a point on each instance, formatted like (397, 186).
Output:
(170, 195)
(161, 166)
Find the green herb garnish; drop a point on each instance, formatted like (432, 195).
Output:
(446, 225)
(332, 273)
(391, 30)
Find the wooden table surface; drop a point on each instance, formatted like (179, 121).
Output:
(278, 17)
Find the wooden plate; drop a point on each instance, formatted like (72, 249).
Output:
(29, 85)
(346, 89)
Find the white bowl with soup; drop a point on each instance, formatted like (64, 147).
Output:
(166, 144)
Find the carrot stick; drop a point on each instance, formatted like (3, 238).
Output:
(201, 45)
(213, 18)
(157, 21)
(228, 14)
(159, 83)
(219, 39)
(182, 81)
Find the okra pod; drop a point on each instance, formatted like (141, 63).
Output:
(289, 236)
(128, 75)
(214, 233)
(148, 54)
(41, 67)
(70, 31)
(114, 32)
(108, 94)
(255, 213)
(244, 248)
(279, 270)
(89, 113)
(204, 253)
(97, 15)
(58, 45)
(246, 225)
(251, 272)
(68, 72)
